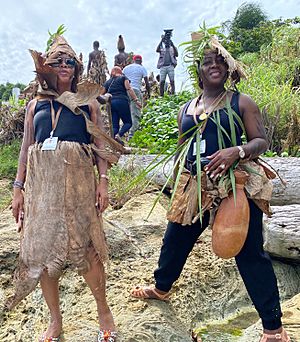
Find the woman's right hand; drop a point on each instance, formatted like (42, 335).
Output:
(17, 204)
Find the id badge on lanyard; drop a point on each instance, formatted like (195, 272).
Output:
(202, 146)
(50, 143)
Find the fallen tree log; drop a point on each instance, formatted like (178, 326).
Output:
(288, 169)
(282, 232)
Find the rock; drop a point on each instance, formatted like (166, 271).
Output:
(208, 289)
(288, 169)
(290, 319)
(282, 233)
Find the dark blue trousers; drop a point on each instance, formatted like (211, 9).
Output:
(120, 110)
(253, 264)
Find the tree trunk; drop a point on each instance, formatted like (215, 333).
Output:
(288, 169)
(282, 233)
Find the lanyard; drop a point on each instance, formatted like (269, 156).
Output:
(212, 108)
(54, 117)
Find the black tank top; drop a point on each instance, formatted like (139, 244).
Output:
(210, 133)
(70, 127)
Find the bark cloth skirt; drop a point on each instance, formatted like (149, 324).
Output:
(61, 222)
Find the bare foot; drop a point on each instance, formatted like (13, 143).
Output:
(54, 328)
(106, 320)
(149, 292)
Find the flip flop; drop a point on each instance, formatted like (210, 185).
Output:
(141, 292)
(283, 337)
(43, 338)
(107, 336)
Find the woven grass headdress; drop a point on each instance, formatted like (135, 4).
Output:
(203, 41)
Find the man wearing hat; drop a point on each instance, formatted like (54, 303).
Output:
(135, 73)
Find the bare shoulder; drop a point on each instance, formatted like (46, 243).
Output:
(180, 112)
(31, 106)
(94, 109)
(246, 103)
(93, 104)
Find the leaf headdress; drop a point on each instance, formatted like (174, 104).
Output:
(202, 41)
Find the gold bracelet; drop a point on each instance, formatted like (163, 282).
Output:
(104, 176)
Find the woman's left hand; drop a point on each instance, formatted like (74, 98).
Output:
(102, 195)
(221, 162)
(138, 104)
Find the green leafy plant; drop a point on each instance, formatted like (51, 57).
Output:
(9, 159)
(158, 131)
(273, 82)
(60, 31)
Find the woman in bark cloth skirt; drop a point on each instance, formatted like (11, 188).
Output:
(57, 216)
(210, 138)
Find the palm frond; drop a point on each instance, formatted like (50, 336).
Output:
(198, 167)
(59, 32)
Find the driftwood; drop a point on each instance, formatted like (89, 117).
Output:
(282, 232)
(288, 169)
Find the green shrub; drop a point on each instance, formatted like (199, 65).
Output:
(158, 129)
(9, 159)
(272, 84)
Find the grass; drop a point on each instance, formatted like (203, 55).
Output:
(9, 155)
(119, 192)
(8, 168)
(5, 193)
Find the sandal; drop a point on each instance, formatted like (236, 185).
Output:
(141, 292)
(107, 336)
(43, 338)
(283, 337)
(196, 338)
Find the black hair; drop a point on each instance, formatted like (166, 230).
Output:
(75, 80)
(96, 44)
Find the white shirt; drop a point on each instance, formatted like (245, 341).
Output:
(135, 73)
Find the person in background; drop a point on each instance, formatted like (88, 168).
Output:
(122, 58)
(119, 87)
(167, 61)
(135, 73)
(97, 65)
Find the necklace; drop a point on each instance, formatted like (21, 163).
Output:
(207, 111)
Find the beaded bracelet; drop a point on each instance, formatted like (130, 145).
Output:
(18, 184)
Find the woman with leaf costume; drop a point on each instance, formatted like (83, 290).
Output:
(58, 220)
(210, 162)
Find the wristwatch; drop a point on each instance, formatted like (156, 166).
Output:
(242, 153)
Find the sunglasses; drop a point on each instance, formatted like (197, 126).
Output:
(70, 62)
